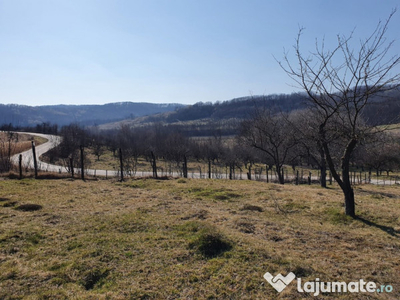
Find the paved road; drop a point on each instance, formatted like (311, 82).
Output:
(52, 141)
(27, 156)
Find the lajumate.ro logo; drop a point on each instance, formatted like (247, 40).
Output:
(280, 282)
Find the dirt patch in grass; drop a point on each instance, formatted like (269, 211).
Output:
(29, 207)
(252, 208)
(201, 214)
(10, 204)
(245, 226)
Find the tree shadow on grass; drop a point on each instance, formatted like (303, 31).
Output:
(387, 229)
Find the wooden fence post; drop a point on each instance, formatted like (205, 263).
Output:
(34, 159)
(20, 166)
(185, 170)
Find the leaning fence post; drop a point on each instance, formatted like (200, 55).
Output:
(34, 159)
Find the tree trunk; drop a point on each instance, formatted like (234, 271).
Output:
(71, 165)
(349, 202)
(281, 177)
(185, 170)
(121, 164)
(322, 167)
(343, 182)
(348, 192)
(249, 173)
(154, 165)
(346, 184)
(82, 164)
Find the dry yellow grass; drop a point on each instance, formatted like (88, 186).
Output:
(21, 143)
(133, 240)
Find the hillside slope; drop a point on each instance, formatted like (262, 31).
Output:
(204, 118)
(22, 115)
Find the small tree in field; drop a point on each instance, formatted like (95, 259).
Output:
(339, 84)
(272, 135)
(8, 141)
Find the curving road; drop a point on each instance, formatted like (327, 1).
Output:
(27, 156)
(52, 141)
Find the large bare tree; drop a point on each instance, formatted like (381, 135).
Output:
(339, 84)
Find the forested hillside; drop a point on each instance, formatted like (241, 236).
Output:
(202, 119)
(22, 115)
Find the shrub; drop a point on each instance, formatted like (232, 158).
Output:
(209, 242)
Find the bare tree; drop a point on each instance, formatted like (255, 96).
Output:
(380, 154)
(311, 148)
(8, 141)
(176, 149)
(271, 134)
(339, 84)
(68, 151)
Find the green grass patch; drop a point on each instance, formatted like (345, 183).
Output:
(215, 194)
(209, 242)
(337, 217)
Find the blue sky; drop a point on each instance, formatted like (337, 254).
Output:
(184, 51)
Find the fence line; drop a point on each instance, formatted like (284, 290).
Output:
(296, 176)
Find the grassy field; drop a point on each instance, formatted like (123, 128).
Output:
(191, 239)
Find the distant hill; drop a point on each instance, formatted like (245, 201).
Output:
(22, 115)
(204, 119)
(200, 119)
